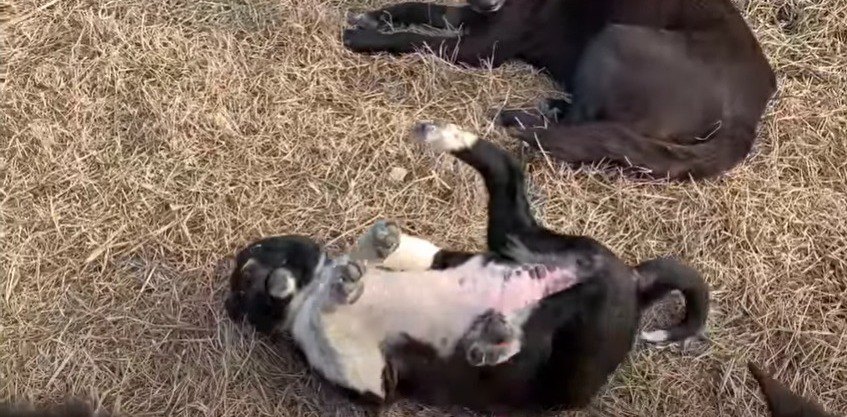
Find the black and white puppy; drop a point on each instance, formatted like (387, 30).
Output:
(540, 320)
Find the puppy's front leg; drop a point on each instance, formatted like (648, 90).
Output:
(346, 284)
(387, 246)
(414, 13)
(472, 50)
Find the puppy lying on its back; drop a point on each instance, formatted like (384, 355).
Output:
(541, 319)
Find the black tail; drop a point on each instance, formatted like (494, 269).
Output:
(781, 401)
(717, 152)
(656, 278)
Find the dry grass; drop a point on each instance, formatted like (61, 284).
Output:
(143, 142)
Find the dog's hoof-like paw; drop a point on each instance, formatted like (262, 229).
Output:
(386, 238)
(348, 286)
(362, 21)
(554, 109)
(491, 341)
(352, 271)
(443, 137)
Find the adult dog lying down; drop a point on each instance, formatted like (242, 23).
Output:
(539, 320)
(676, 87)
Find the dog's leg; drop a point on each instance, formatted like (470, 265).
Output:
(345, 282)
(378, 242)
(387, 246)
(491, 340)
(412, 13)
(509, 217)
(479, 50)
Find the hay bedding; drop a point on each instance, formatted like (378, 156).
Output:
(144, 141)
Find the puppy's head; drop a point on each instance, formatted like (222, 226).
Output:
(268, 274)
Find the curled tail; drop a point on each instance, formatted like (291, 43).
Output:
(656, 278)
(717, 152)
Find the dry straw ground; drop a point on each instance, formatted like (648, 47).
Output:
(142, 142)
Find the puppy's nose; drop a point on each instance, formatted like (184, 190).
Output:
(424, 128)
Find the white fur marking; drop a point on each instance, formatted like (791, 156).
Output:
(447, 137)
(655, 336)
(435, 307)
(412, 254)
(281, 283)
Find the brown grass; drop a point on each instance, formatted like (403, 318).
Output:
(143, 142)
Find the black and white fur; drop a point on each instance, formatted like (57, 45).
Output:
(428, 329)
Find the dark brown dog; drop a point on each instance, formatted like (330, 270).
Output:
(781, 401)
(674, 87)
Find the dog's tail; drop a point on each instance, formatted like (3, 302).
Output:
(718, 150)
(657, 277)
(781, 401)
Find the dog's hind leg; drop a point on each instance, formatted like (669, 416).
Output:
(412, 13)
(509, 216)
(491, 340)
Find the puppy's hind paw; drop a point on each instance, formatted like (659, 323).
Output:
(443, 137)
(491, 340)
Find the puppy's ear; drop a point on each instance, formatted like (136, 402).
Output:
(781, 401)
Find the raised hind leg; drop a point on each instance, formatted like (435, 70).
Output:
(509, 217)
(491, 340)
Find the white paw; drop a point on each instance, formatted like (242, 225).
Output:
(655, 336)
(443, 137)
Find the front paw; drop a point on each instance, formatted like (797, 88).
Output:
(518, 118)
(365, 20)
(348, 285)
(382, 239)
(554, 109)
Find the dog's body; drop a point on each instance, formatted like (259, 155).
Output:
(676, 87)
(540, 320)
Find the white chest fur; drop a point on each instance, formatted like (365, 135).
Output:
(433, 307)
